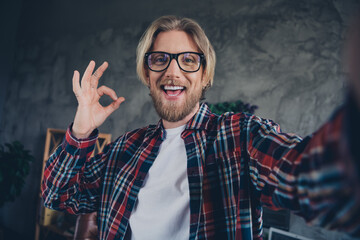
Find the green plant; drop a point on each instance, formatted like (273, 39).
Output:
(236, 107)
(14, 167)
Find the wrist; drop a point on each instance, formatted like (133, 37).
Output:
(80, 134)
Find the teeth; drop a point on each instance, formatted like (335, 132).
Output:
(173, 88)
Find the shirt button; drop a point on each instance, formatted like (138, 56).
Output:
(128, 206)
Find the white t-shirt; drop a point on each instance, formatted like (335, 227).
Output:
(162, 210)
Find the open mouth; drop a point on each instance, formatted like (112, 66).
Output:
(172, 90)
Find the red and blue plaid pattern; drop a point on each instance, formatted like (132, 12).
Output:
(236, 164)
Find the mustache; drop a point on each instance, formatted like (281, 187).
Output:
(171, 82)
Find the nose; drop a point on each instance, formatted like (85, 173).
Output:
(173, 71)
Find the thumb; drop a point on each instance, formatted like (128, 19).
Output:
(114, 105)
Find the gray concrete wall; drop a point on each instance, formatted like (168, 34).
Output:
(284, 56)
(9, 21)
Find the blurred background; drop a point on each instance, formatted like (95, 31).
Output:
(283, 56)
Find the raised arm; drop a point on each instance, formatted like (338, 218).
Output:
(72, 179)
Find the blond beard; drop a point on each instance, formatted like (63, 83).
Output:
(170, 111)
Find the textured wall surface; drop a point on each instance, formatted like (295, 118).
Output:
(284, 56)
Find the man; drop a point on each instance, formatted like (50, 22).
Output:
(196, 175)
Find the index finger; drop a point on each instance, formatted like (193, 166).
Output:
(98, 73)
(75, 81)
(85, 81)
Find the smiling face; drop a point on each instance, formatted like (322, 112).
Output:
(175, 93)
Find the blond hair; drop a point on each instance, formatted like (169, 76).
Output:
(169, 23)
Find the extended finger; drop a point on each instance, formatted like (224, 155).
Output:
(85, 82)
(76, 83)
(97, 74)
(108, 91)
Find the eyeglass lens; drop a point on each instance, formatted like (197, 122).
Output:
(186, 61)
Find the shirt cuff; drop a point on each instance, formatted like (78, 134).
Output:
(82, 142)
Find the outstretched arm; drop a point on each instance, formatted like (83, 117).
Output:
(318, 177)
(315, 177)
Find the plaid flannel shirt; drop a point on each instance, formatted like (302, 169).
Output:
(236, 163)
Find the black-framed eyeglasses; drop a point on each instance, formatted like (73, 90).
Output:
(187, 61)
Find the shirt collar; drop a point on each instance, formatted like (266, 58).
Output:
(201, 118)
(199, 121)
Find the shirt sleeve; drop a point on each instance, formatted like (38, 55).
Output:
(316, 177)
(72, 179)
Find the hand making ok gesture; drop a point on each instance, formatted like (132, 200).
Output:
(90, 113)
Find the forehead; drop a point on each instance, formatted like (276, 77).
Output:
(174, 42)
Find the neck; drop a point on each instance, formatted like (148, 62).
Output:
(181, 122)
